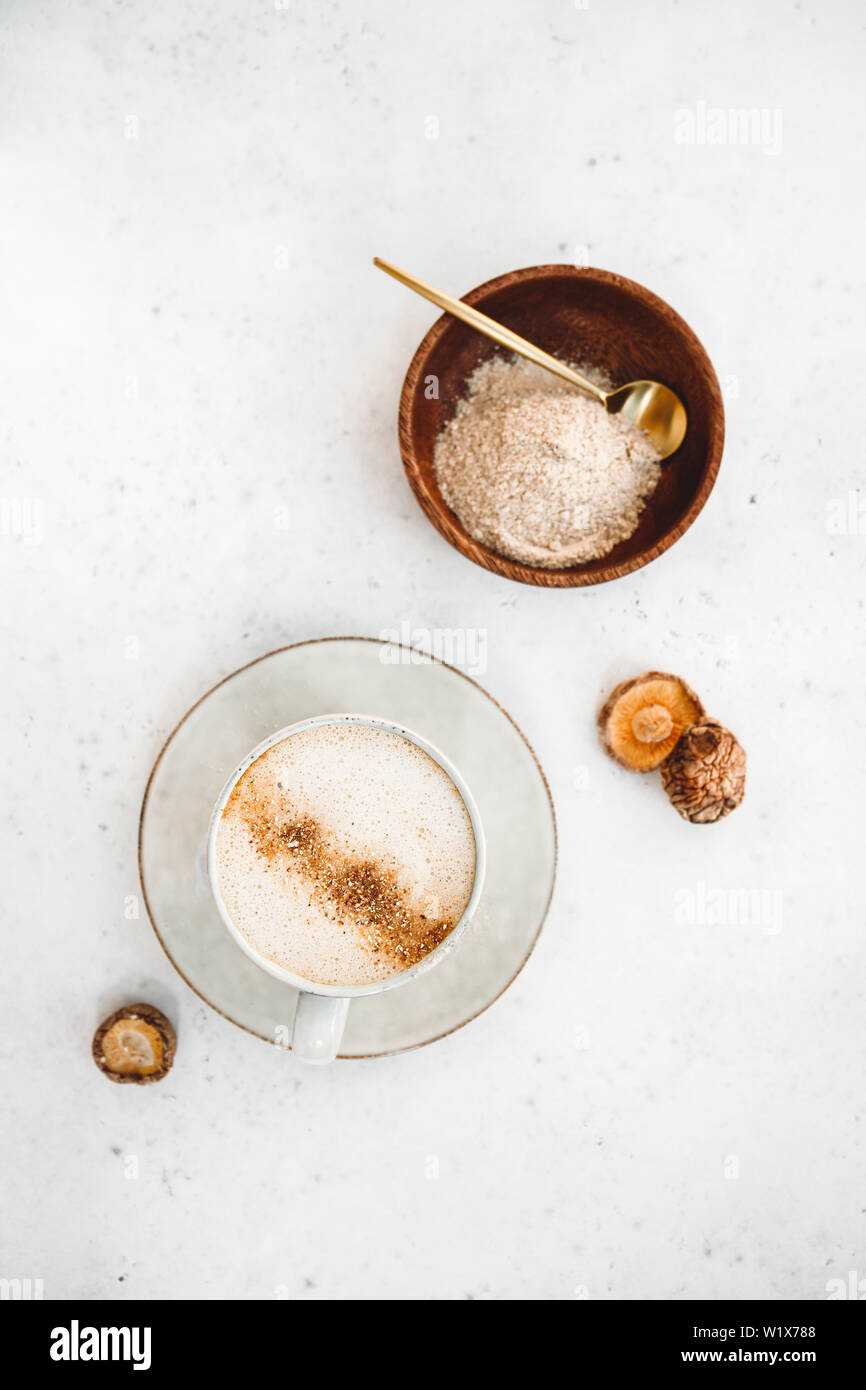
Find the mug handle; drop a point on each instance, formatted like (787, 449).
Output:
(318, 1028)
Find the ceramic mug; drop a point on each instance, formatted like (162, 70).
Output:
(320, 1016)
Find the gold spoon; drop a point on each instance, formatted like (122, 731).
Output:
(648, 405)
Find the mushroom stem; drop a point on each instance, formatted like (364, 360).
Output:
(652, 724)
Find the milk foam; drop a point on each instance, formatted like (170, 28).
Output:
(375, 800)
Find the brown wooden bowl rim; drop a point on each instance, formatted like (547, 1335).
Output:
(435, 507)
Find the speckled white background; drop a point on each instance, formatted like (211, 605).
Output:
(192, 338)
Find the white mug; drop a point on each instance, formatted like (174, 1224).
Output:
(322, 1010)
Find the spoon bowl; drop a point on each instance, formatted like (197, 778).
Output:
(654, 409)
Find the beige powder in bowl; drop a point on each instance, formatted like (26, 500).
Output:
(538, 471)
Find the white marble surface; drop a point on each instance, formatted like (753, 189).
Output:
(200, 373)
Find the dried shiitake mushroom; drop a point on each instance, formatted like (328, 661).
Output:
(642, 720)
(705, 776)
(136, 1044)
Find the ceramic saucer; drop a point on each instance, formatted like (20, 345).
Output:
(398, 683)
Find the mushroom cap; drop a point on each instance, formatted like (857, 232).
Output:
(136, 1044)
(642, 719)
(705, 776)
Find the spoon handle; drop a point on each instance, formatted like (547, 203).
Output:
(490, 328)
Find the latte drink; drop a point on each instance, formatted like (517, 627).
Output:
(345, 854)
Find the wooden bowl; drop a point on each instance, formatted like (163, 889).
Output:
(579, 315)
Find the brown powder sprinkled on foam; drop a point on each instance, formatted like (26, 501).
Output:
(538, 471)
(363, 892)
